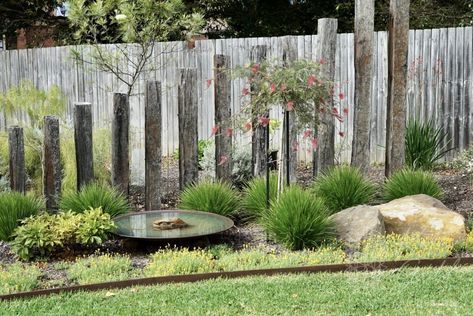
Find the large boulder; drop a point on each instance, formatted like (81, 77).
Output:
(422, 214)
(357, 223)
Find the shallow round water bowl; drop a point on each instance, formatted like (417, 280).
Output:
(170, 224)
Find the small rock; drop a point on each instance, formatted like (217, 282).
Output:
(422, 214)
(357, 223)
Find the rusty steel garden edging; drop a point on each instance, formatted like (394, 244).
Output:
(330, 268)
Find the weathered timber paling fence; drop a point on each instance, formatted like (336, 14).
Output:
(440, 85)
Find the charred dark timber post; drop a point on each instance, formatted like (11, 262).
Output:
(17, 159)
(153, 146)
(52, 173)
(120, 143)
(324, 156)
(188, 127)
(83, 143)
(223, 112)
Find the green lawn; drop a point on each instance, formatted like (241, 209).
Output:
(410, 291)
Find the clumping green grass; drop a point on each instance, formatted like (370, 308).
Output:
(14, 207)
(253, 202)
(342, 187)
(18, 278)
(407, 291)
(95, 196)
(411, 182)
(102, 268)
(207, 196)
(298, 220)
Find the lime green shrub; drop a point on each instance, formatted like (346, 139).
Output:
(101, 268)
(403, 247)
(95, 195)
(173, 262)
(207, 196)
(298, 220)
(465, 245)
(254, 196)
(18, 277)
(411, 182)
(14, 207)
(45, 233)
(342, 187)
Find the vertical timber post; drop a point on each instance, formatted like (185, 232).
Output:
(153, 145)
(223, 112)
(120, 143)
(17, 159)
(83, 143)
(398, 40)
(259, 156)
(324, 156)
(364, 37)
(188, 127)
(52, 173)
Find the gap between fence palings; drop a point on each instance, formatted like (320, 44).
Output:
(331, 268)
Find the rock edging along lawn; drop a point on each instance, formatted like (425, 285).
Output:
(330, 268)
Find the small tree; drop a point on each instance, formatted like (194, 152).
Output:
(142, 22)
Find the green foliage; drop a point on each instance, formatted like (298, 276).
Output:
(45, 233)
(403, 247)
(467, 244)
(207, 196)
(94, 227)
(14, 207)
(95, 195)
(342, 187)
(18, 277)
(425, 145)
(202, 146)
(411, 182)
(98, 269)
(254, 196)
(298, 220)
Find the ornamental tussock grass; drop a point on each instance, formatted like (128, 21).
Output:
(342, 187)
(411, 182)
(95, 196)
(298, 220)
(14, 207)
(253, 202)
(207, 196)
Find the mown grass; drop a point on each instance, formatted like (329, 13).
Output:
(409, 291)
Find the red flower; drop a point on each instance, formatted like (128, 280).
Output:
(209, 83)
(264, 121)
(245, 91)
(223, 159)
(314, 143)
(247, 126)
(229, 132)
(342, 134)
(273, 88)
(214, 130)
(307, 133)
(290, 105)
(339, 118)
(322, 61)
(255, 68)
(341, 96)
(295, 145)
(345, 110)
(283, 87)
(334, 111)
(311, 80)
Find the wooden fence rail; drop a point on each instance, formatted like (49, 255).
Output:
(440, 85)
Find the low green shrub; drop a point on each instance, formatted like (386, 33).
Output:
(411, 182)
(101, 268)
(207, 196)
(342, 187)
(298, 220)
(253, 202)
(14, 207)
(465, 245)
(179, 261)
(45, 233)
(18, 277)
(95, 195)
(425, 144)
(403, 247)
